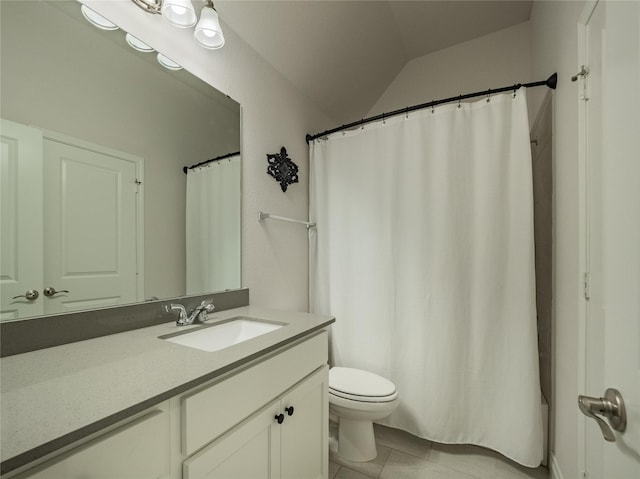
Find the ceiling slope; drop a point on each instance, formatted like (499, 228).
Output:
(343, 54)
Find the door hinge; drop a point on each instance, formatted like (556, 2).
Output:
(584, 71)
(587, 294)
(582, 74)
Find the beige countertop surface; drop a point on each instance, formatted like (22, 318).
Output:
(55, 396)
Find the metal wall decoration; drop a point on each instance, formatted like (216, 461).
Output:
(282, 168)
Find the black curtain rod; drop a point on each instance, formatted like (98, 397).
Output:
(550, 82)
(217, 158)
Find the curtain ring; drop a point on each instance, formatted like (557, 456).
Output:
(406, 113)
(383, 120)
(433, 107)
(515, 89)
(488, 95)
(460, 102)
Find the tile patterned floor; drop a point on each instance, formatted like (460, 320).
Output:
(403, 456)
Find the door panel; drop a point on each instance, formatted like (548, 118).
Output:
(612, 46)
(20, 219)
(90, 219)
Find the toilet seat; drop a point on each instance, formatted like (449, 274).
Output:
(361, 386)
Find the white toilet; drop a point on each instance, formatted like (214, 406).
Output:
(358, 398)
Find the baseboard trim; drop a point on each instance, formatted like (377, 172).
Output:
(554, 468)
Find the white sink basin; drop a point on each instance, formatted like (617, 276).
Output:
(223, 335)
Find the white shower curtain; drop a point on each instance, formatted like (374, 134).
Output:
(424, 254)
(213, 227)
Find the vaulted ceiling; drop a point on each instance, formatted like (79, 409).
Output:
(343, 54)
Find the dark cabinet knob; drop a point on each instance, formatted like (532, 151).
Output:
(279, 418)
(289, 410)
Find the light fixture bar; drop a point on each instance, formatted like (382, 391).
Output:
(150, 6)
(181, 14)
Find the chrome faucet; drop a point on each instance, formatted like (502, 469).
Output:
(198, 314)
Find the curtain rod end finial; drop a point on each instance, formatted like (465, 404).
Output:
(552, 81)
(308, 138)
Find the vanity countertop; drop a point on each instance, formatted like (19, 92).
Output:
(53, 397)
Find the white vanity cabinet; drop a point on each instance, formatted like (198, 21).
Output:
(269, 421)
(273, 444)
(267, 418)
(138, 449)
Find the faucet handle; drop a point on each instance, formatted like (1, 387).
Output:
(206, 307)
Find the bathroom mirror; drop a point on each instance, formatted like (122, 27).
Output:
(88, 89)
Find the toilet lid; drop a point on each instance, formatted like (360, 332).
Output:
(360, 385)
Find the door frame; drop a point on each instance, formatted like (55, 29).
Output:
(584, 240)
(139, 166)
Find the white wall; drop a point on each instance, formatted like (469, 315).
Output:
(274, 114)
(495, 60)
(554, 48)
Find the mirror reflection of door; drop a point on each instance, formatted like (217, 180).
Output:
(20, 220)
(90, 198)
(90, 206)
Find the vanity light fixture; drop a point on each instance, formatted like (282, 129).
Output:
(180, 13)
(97, 20)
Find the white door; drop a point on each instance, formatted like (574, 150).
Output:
(20, 221)
(611, 134)
(90, 219)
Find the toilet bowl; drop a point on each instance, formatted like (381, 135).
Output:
(358, 398)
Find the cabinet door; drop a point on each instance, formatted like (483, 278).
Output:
(249, 451)
(137, 450)
(304, 434)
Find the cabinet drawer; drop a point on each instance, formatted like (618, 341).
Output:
(209, 413)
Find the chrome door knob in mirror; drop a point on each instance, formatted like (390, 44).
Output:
(51, 291)
(31, 295)
(610, 406)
